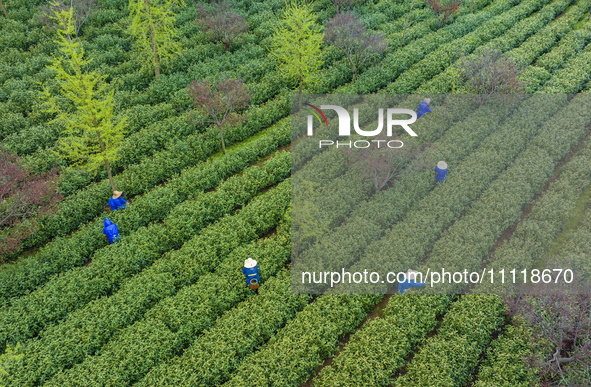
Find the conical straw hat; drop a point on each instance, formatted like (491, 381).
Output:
(116, 194)
(441, 165)
(250, 263)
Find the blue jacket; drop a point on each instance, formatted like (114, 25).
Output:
(117, 203)
(251, 273)
(423, 108)
(440, 174)
(403, 286)
(110, 230)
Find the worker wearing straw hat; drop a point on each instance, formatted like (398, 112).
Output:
(441, 170)
(409, 282)
(251, 271)
(116, 202)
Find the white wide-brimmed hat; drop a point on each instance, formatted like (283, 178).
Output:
(411, 274)
(250, 263)
(116, 194)
(441, 165)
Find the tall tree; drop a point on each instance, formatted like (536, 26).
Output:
(296, 45)
(346, 33)
(443, 10)
(561, 340)
(25, 198)
(221, 23)
(82, 11)
(220, 104)
(490, 73)
(406, 25)
(380, 165)
(152, 26)
(92, 138)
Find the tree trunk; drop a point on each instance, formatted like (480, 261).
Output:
(153, 41)
(406, 24)
(3, 9)
(585, 20)
(223, 144)
(98, 133)
(471, 6)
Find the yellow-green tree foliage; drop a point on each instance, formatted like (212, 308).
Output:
(92, 139)
(10, 355)
(296, 45)
(152, 27)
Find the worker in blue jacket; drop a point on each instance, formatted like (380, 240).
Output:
(110, 230)
(250, 271)
(424, 108)
(116, 202)
(441, 170)
(409, 282)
